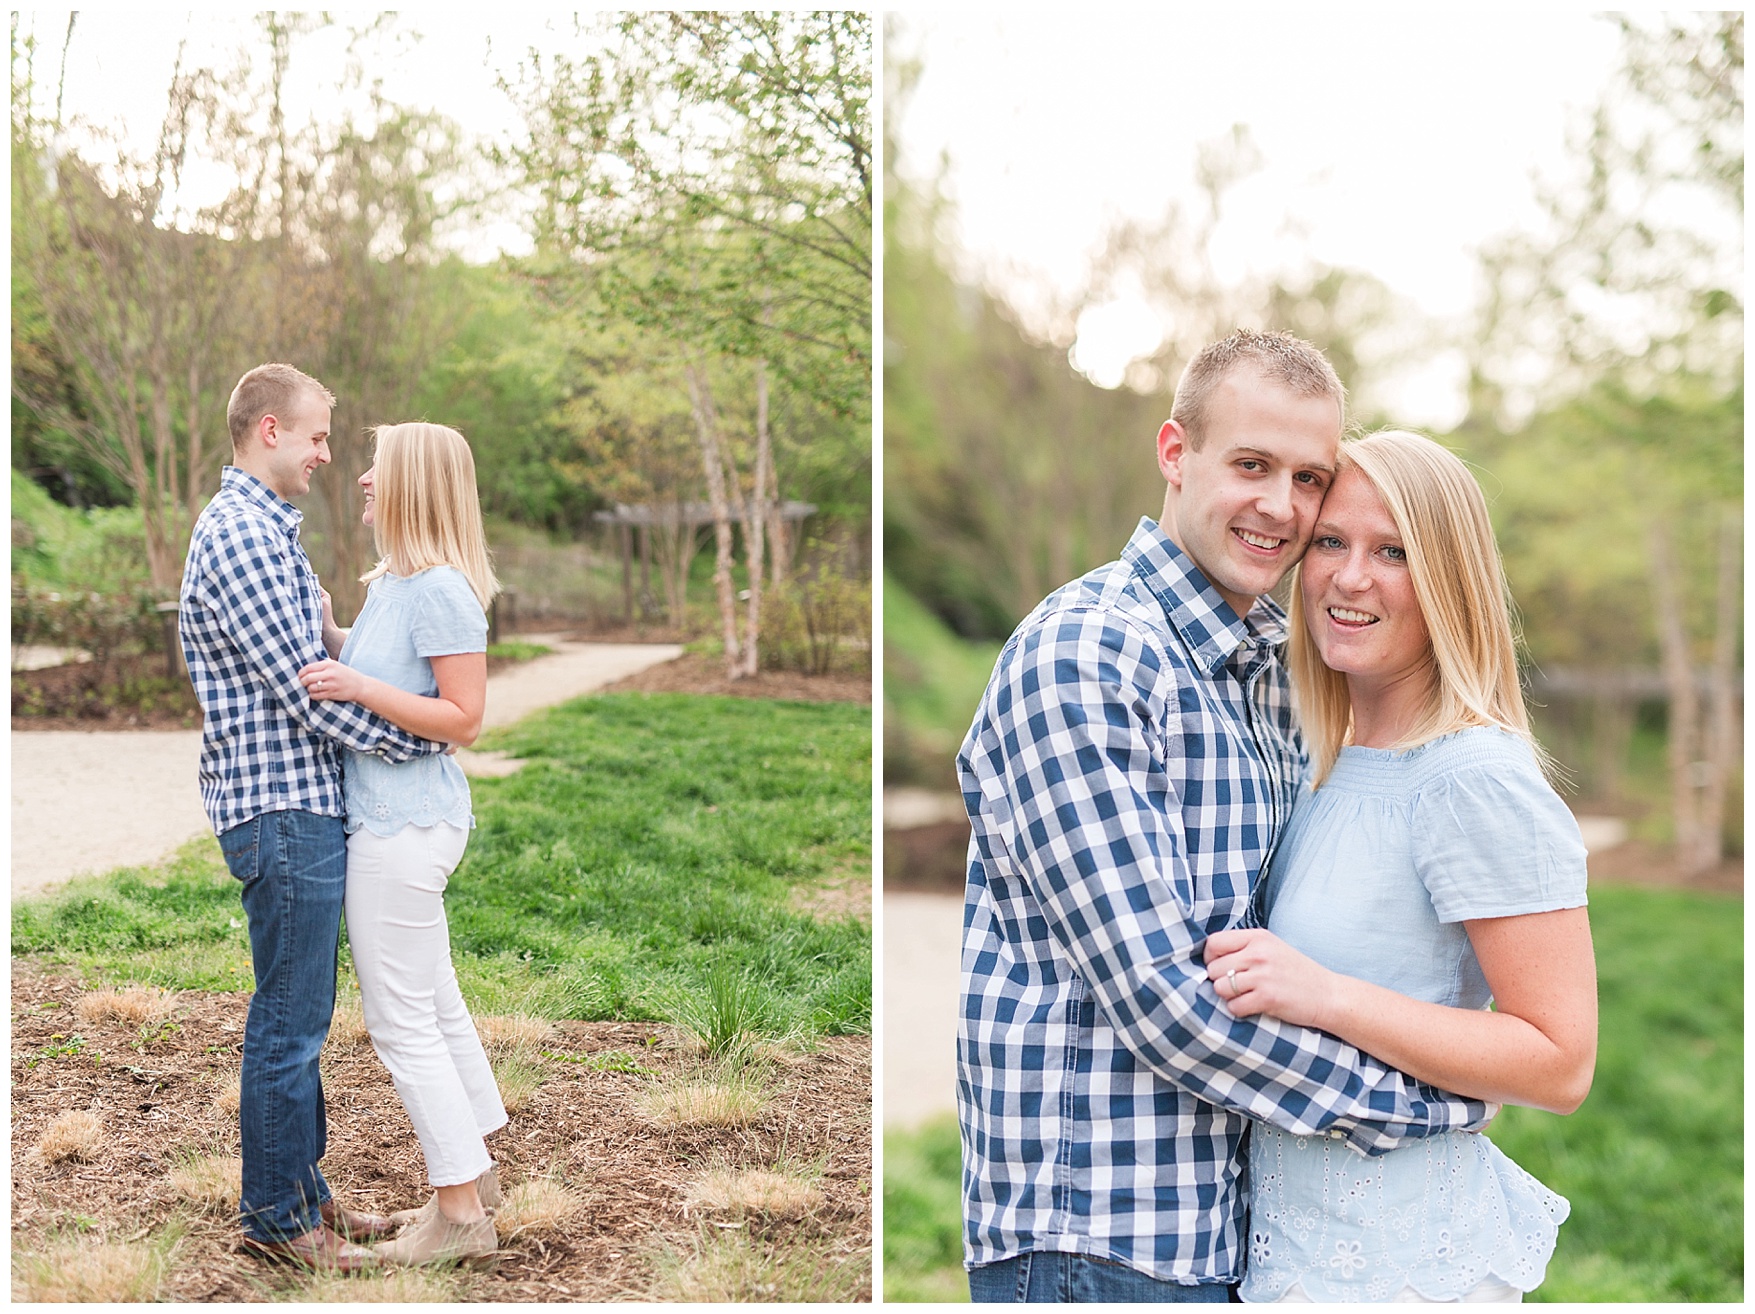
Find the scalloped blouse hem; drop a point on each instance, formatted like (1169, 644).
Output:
(1490, 1290)
(385, 828)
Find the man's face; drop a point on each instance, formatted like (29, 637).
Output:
(1243, 506)
(301, 444)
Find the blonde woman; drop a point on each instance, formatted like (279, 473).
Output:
(417, 655)
(1427, 870)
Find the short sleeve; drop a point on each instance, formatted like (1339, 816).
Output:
(1493, 839)
(448, 619)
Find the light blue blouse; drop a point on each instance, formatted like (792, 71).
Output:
(1375, 876)
(405, 622)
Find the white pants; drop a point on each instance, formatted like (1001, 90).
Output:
(408, 991)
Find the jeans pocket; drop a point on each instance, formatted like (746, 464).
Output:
(240, 845)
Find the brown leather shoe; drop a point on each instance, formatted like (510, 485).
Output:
(352, 1225)
(317, 1249)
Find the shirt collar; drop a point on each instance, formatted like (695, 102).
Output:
(261, 496)
(1207, 623)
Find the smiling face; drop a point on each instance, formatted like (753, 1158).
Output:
(1358, 593)
(1243, 505)
(295, 444)
(368, 485)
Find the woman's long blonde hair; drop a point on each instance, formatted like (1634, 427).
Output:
(1459, 582)
(427, 510)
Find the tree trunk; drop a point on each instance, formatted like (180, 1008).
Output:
(755, 523)
(707, 426)
(1723, 721)
(1684, 718)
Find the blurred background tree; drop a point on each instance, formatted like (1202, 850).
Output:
(1605, 417)
(695, 196)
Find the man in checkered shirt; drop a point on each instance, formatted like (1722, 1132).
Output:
(251, 613)
(1128, 773)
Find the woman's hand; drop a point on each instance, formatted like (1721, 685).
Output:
(330, 681)
(1254, 971)
(333, 635)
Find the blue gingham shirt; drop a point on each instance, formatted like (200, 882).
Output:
(1130, 767)
(250, 615)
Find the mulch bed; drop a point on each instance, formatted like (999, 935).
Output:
(1637, 862)
(68, 700)
(156, 1100)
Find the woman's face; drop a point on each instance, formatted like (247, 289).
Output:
(368, 485)
(1358, 594)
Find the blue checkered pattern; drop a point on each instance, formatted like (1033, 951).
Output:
(250, 615)
(1130, 767)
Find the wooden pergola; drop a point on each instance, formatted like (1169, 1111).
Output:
(634, 524)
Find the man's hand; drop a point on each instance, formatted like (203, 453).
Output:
(330, 681)
(1254, 971)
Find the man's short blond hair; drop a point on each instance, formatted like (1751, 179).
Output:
(268, 390)
(1277, 357)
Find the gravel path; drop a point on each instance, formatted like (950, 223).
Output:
(92, 801)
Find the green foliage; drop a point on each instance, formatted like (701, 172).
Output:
(650, 842)
(1653, 1162)
(56, 547)
(1572, 496)
(1005, 473)
(932, 683)
(819, 621)
(730, 156)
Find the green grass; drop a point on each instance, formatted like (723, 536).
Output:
(1653, 1162)
(652, 842)
(923, 1208)
(516, 650)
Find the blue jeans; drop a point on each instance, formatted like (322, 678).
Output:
(1048, 1277)
(294, 869)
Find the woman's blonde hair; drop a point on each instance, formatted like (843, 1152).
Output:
(1459, 582)
(428, 513)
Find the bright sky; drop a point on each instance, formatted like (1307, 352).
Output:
(1399, 140)
(119, 66)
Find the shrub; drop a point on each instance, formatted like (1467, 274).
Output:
(819, 621)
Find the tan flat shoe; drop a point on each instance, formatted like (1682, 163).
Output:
(438, 1240)
(487, 1190)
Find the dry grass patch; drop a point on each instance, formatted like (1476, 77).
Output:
(225, 1102)
(208, 1181)
(136, 1006)
(514, 1035)
(108, 1272)
(702, 1102)
(77, 1134)
(404, 1286)
(347, 1028)
(518, 1080)
(738, 1191)
(539, 1205)
(729, 1266)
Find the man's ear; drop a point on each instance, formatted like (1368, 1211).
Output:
(268, 430)
(1173, 445)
